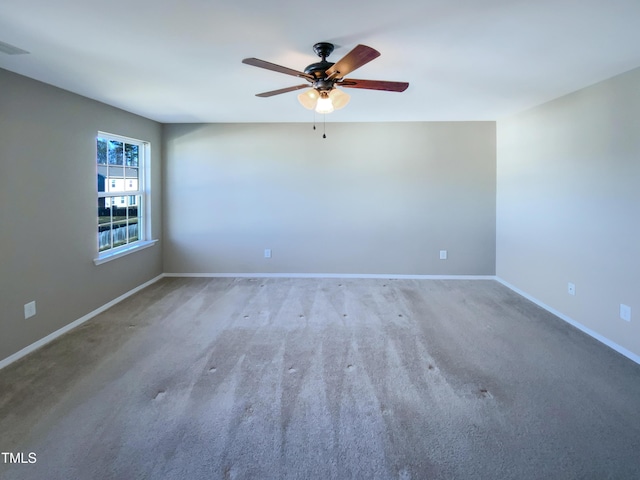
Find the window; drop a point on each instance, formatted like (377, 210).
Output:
(122, 213)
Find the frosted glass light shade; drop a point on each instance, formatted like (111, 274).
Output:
(309, 98)
(339, 99)
(324, 104)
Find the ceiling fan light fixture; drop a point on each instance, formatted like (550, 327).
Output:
(324, 105)
(339, 99)
(309, 98)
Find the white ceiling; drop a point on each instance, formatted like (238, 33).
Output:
(180, 61)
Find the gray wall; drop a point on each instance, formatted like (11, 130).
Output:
(48, 209)
(372, 198)
(568, 205)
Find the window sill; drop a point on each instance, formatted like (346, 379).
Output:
(107, 257)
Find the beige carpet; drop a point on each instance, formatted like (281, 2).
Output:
(323, 379)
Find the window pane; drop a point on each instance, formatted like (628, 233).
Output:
(104, 212)
(132, 216)
(104, 238)
(104, 225)
(131, 155)
(119, 234)
(102, 151)
(117, 172)
(102, 178)
(119, 222)
(115, 153)
(102, 162)
(131, 179)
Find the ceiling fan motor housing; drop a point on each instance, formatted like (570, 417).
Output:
(321, 83)
(318, 69)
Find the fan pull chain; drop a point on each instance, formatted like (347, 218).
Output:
(324, 124)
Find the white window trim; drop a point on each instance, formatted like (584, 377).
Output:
(124, 250)
(143, 191)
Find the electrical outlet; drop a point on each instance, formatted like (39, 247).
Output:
(625, 312)
(29, 309)
(443, 254)
(267, 253)
(571, 289)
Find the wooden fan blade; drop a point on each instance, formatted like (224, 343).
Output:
(255, 62)
(356, 58)
(374, 85)
(282, 90)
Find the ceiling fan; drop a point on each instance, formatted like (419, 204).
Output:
(325, 77)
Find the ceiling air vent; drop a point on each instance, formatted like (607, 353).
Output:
(11, 50)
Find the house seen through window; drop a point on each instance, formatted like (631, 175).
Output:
(120, 166)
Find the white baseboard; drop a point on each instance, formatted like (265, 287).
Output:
(52, 336)
(621, 350)
(333, 275)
